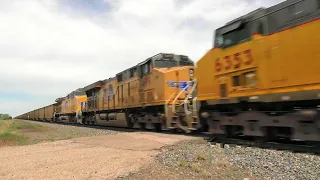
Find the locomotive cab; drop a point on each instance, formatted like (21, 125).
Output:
(166, 82)
(71, 106)
(166, 74)
(263, 67)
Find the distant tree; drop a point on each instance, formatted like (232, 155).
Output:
(5, 117)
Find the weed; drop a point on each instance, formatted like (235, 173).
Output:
(200, 157)
(6, 134)
(51, 139)
(11, 132)
(184, 163)
(9, 137)
(22, 125)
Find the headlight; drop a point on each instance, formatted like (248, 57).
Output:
(191, 72)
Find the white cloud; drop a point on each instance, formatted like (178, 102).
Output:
(47, 50)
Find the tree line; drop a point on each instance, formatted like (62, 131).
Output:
(5, 117)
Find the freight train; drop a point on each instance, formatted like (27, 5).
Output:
(260, 79)
(154, 94)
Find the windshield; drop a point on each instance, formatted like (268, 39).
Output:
(165, 63)
(80, 93)
(186, 63)
(232, 37)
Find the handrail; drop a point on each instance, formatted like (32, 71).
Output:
(167, 102)
(174, 108)
(186, 98)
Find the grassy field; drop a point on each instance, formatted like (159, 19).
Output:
(18, 132)
(11, 132)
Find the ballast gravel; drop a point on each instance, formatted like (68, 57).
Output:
(274, 164)
(198, 159)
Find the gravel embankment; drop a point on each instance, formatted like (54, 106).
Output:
(189, 160)
(276, 164)
(199, 160)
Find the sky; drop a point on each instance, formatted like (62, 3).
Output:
(48, 48)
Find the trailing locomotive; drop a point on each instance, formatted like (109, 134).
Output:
(261, 78)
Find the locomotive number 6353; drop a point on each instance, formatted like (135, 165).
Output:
(234, 61)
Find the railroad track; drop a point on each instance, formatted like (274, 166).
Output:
(121, 129)
(296, 147)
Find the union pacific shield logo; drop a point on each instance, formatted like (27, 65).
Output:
(183, 85)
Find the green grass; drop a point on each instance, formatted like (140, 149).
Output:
(13, 134)
(51, 139)
(12, 138)
(22, 125)
(2, 122)
(19, 132)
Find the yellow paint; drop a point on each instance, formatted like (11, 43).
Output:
(72, 105)
(151, 90)
(287, 61)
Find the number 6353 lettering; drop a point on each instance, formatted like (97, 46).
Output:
(233, 61)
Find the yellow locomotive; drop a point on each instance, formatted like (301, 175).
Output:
(154, 94)
(261, 78)
(70, 107)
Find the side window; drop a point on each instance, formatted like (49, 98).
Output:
(318, 4)
(131, 72)
(260, 28)
(250, 79)
(146, 68)
(235, 37)
(236, 81)
(119, 77)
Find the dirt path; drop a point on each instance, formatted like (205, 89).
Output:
(98, 157)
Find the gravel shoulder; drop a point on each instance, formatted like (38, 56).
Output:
(196, 159)
(94, 157)
(192, 159)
